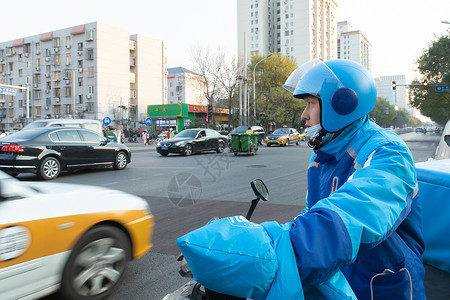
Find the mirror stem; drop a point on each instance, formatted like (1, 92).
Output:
(252, 208)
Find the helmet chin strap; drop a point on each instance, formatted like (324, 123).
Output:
(316, 142)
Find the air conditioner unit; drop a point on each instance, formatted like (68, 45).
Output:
(46, 108)
(47, 91)
(38, 52)
(47, 58)
(57, 99)
(4, 74)
(68, 46)
(67, 81)
(89, 96)
(35, 85)
(10, 104)
(26, 54)
(57, 116)
(9, 73)
(67, 63)
(38, 68)
(80, 70)
(47, 75)
(80, 53)
(56, 50)
(2, 59)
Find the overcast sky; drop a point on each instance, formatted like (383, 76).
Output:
(397, 29)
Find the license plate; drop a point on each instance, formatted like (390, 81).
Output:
(164, 148)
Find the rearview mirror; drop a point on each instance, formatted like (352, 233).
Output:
(260, 189)
(447, 139)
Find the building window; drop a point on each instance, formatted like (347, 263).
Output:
(56, 43)
(80, 46)
(68, 91)
(91, 89)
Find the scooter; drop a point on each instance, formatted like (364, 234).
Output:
(193, 290)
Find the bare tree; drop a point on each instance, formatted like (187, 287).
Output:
(228, 79)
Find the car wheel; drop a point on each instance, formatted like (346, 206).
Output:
(287, 143)
(96, 264)
(221, 147)
(121, 161)
(298, 142)
(268, 145)
(187, 150)
(13, 174)
(49, 168)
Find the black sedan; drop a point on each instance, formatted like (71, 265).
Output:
(48, 150)
(191, 141)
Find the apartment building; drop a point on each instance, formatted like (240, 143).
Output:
(183, 87)
(300, 29)
(353, 45)
(397, 97)
(88, 71)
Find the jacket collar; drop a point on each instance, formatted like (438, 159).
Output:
(341, 143)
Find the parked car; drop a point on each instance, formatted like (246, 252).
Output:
(283, 137)
(243, 129)
(190, 141)
(47, 151)
(81, 123)
(419, 129)
(67, 237)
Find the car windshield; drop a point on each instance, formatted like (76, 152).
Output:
(240, 130)
(281, 131)
(35, 124)
(187, 133)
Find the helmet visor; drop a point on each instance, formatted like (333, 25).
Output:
(320, 82)
(294, 78)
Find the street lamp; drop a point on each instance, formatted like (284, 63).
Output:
(254, 92)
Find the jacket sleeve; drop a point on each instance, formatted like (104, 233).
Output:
(361, 213)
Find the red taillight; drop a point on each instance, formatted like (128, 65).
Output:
(12, 148)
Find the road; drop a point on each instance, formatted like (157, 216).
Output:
(185, 192)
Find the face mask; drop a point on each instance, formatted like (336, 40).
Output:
(313, 130)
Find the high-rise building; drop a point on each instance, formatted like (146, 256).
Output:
(398, 96)
(184, 86)
(353, 45)
(300, 29)
(87, 71)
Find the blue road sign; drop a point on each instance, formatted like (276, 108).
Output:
(8, 91)
(442, 88)
(148, 121)
(106, 120)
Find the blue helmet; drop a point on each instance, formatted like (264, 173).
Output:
(345, 88)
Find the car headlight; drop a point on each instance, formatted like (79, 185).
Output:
(158, 144)
(179, 143)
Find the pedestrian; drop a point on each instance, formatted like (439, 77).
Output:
(362, 213)
(3, 134)
(249, 130)
(145, 137)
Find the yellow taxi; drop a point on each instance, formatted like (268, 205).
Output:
(75, 239)
(283, 137)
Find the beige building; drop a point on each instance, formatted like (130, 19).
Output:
(183, 87)
(301, 29)
(353, 45)
(87, 71)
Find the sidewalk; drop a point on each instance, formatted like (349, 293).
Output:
(140, 146)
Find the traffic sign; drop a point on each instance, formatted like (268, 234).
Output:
(148, 121)
(106, 120)
(442, 88)
(8, 91)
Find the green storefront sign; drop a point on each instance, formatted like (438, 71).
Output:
(167, 110)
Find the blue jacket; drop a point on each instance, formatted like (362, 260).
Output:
(362, 216)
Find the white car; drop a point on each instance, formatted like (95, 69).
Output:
(75, 239)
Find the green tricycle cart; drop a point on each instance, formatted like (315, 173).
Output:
(244, 143)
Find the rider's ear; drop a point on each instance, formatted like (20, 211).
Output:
(344, 101)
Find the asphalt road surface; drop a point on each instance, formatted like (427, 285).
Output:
(186, 192)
